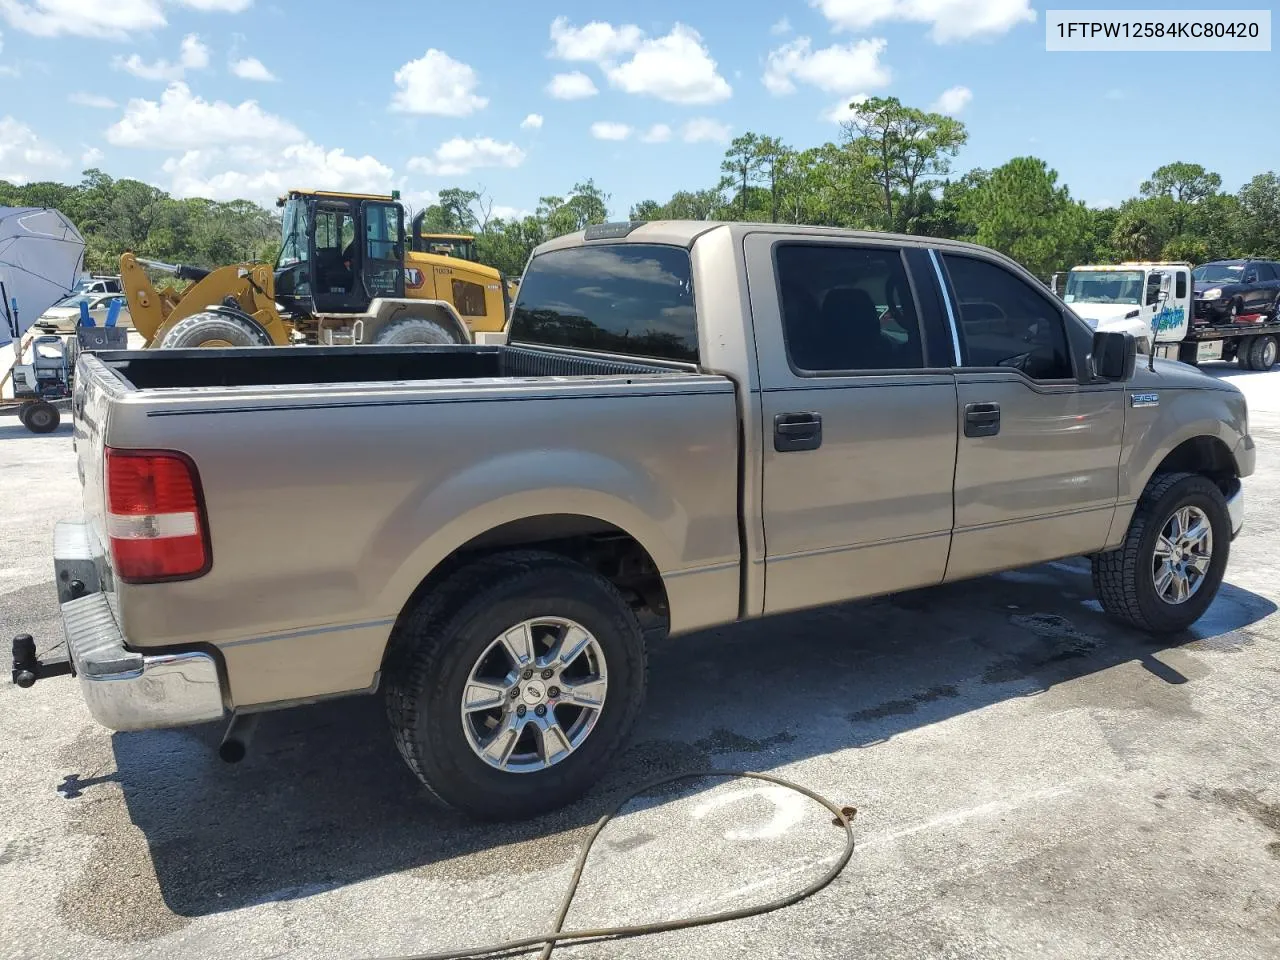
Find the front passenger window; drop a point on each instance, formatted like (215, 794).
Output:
(1004, 322)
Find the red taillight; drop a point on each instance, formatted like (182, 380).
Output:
(155, 517)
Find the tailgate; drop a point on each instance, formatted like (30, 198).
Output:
(96, 387)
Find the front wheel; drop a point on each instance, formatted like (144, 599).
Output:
(514, 683)
(1168, 570)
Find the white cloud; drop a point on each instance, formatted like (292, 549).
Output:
(101, 19)
(91, 157)
(264, 172)
(182, 121)
(838, 68)
(24, 156)
(676, 68)
(952, 100)
(192, 55)
(658, 133)
(609, 130)
(704, 129)
(438, 84)
(781, 28)
(83, 99)
(458, 156)
(595, 42)
(571, 86)
(532, 122)
(948, 19)
(251, 68)
(840, 111)
(509, 213)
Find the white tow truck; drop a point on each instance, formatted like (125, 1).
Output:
(1155, 302)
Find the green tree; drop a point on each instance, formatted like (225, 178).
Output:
(906, 150)
(741, 168)
(1021, 211)
(1260, 216)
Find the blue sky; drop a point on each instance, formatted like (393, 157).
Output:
(230, 98)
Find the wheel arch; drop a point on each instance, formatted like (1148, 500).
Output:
(598, 544)
(385, 311)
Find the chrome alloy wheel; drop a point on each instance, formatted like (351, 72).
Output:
(534, 695)
(1183, 553)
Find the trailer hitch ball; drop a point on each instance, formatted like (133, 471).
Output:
(24, 660)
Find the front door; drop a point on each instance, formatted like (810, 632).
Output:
(382, 266)
(336, 256)
(859, 420)
(1037, 470)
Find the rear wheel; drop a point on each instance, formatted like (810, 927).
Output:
(1244, 353)
(1168, 570)
(1262, 353)
(209, 329)
(41, 417)
(514, 683)
(415, 330)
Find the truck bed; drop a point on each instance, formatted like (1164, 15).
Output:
(247, 366)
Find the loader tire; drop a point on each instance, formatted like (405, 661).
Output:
(209, 329)
(415, 330)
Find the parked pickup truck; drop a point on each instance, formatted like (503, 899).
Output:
(691, 424)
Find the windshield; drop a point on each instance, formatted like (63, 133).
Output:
(449, 247)
(293, 244)
(1218, 273)
(1104, 286)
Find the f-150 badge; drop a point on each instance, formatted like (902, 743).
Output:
(1144, 399)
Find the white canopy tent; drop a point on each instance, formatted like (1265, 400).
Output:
(41, 259)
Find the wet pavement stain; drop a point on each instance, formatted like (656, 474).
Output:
(898, 708)
(116, 895)
(1248, 802)
(721, 741)
(1062, 642)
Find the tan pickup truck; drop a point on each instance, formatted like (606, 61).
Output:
(691, 424)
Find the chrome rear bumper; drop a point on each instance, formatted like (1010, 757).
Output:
(125, 689)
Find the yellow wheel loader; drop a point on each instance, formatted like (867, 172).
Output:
(343, 276)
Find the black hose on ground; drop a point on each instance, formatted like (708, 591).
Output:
(843, 817)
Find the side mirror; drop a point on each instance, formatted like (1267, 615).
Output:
(1115, 355)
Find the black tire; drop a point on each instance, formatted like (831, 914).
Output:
(1262, 353)
(415, 330)
(1122, 578)
(435, 647)
(1237, 308)
(1244, 352)
(41, 417)
(215, 330)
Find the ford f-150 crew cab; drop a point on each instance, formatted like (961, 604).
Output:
(691, 424)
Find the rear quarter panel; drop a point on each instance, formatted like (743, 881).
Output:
(327, 507)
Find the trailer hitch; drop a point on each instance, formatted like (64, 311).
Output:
(28, 668)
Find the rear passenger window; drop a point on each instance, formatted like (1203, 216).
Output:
(1180, 284)
(847, 308)
(628, 298)
(1004, 322)
(1265, 272)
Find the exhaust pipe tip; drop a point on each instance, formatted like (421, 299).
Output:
(235, 742)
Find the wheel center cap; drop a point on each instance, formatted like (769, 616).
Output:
(533, 693)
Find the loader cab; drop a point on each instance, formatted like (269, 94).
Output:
(461, 246)
(339, 252)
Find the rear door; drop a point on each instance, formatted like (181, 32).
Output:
(1262, 294)
(859, 416)
(1037, 466)
(382, 260)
